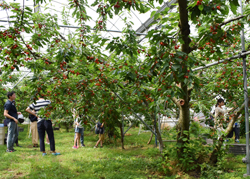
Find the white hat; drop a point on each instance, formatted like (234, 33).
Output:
(20, 116)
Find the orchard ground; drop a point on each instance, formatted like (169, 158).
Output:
(138, 160)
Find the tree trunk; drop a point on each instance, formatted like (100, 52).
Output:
(184, 117)
(183, 124)
(158, 135)
(159, 138)
(150, 139)
(122, 136)
(214, 156)
(66, 126)
(184, 26)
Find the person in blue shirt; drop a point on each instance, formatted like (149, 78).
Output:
(11, 114)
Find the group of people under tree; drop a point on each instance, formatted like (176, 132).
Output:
(41, 123)
(79, 132)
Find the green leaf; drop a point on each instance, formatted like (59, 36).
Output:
(235, 2)
(225, 10)
(194, 13)
(153, 13)
(233, 7)
(163, 69)
(175, 67)
(200, 7)
(185, 80)
(96, 39)
(157, 16)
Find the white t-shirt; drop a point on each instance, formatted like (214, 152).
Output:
(78, 120)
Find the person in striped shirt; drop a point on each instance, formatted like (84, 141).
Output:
(43, 124)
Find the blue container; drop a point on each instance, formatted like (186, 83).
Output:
(1, 125)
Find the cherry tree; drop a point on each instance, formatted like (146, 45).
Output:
(74, 71)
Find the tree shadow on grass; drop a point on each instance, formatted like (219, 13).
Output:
(100, 164)
(116, 167)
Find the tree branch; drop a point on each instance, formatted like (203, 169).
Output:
(62, 37)
(231, 123)
(220, 25)
(231, 20)
(33, 54)
(176, 101)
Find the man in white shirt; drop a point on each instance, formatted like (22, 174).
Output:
(43, 124)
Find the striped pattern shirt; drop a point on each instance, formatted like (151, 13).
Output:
(41, 103)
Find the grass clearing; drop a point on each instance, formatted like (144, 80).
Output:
(137, 161)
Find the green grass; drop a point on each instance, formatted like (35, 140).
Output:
(137, 161)
(230, 168)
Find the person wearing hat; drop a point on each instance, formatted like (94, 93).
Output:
(11, 114)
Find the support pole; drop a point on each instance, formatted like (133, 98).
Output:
(136, 114)
(21, 79)
(128, 128)
(77, 27)
(159, 125)
(221, 61)
(245, 97)
(123, 126)
(155, 129)
(91, 119)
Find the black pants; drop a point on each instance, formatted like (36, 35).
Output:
(42, 126)
(235, 130)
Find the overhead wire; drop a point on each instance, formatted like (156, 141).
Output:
(90, 9)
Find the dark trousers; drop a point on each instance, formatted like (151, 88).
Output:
(42, 126)
(235, 130)
(16, 141)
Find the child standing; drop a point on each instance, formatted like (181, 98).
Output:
(78, 131)
(101, 134)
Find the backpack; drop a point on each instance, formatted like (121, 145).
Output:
(97, 129)
(32, 118)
